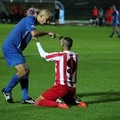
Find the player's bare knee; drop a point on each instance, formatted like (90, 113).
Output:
(23, 73)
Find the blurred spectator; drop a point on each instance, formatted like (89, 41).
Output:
(115, 22)
(61, 17)
(32, 11)
(101, 17)
(22, 14)
(3, 12)
(15, 12)
(109, 16)
(56, 15)
(95, 16)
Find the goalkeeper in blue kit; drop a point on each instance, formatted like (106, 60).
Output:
(13, 48)
(115, 22)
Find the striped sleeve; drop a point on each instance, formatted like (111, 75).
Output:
(54, 56)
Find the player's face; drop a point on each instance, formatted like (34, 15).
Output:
(61, 43)
(43, 19)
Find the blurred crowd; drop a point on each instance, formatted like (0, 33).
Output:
(99, 17)
(10, 16)
(15, 14)
(102, 17)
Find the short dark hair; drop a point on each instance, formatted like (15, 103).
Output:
(61, 37)
(69, 41)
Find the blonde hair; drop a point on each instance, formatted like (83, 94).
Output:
(44, 12)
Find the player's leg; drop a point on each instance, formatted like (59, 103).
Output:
(41, 101)
(113, 31)
(12, 57)
(7, 90)
(15, 58)
(80, 103)
(23, 73)
(117, 31)
(22, 76)
(72, 99)
(69, 98)
(49, 97)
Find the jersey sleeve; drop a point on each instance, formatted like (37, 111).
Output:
(40, 50)
(48, 56)
(55, 56)
(30, 23)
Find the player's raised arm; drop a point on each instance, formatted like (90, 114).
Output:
(36, 33)
(40, 50)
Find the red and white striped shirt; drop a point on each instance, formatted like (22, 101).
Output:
(65, 67)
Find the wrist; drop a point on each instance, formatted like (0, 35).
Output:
(37, 43)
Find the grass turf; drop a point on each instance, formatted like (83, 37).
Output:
(98, 75)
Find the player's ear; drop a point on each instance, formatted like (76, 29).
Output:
(61, 37)
(61, 42)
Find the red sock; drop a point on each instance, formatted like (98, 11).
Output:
(46, 103)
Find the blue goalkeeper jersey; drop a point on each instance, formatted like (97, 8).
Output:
(20, 36)
(115, 17)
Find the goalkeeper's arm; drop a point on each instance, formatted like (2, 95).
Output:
(40, 50)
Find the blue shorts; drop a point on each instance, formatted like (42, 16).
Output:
(115, 24)
(13, 56)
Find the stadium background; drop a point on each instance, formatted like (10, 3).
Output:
(98, 71)
(74, 9)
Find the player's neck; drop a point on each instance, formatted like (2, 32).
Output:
(65, 49)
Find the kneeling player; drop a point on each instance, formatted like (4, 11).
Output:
(64, 90)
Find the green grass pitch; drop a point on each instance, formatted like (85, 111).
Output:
(98, 75)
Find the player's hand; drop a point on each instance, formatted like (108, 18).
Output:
(52, 35)
(36, 39)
